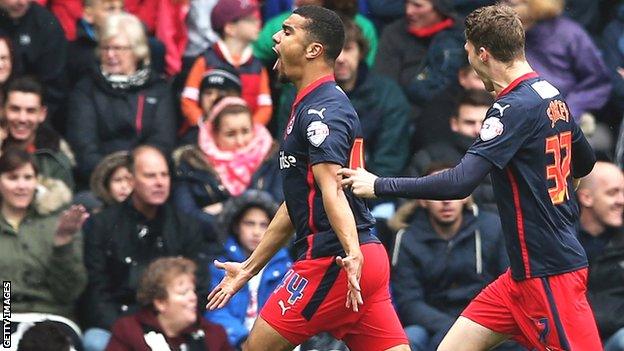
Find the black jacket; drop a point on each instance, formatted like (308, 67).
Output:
(433, 279)
(40, 50)
(103, 119)
(606, 286)
(119, 245)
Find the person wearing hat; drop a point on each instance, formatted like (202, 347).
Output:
(215, 84)
(423, 50)
(244, 220)
(237, 23)
(232, 154)
(111, 181)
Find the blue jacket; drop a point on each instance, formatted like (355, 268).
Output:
(434, 279)
(232, 316)
(612, 45)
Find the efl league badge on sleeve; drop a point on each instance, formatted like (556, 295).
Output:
(492, 127)
(317, 132)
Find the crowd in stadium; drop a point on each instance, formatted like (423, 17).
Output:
(140, 141)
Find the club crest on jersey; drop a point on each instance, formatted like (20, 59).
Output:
(491, 128)
(557, 110)
(317, 132)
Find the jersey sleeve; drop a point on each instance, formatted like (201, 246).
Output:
(327, 133)
(505, 129)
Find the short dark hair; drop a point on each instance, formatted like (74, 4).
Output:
(475, 97)
(498, 29)
(25, 84)
(353, 33)
(44, 336)
(324, 26)
(437, 166)
(14, 158)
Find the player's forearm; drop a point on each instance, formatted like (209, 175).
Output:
(455, 183)
(276, 236)
(341, 219)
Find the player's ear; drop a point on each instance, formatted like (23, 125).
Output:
(314, 50)
(483, 54)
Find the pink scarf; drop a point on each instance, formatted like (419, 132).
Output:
(236, 167)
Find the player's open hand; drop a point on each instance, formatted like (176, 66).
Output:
(352, 264)
(361, 182)
(235, 278)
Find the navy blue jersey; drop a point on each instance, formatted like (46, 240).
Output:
(528, 135)
(323, 128)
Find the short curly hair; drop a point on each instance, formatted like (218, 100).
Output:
(159, 274)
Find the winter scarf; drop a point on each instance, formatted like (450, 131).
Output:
(234, 167)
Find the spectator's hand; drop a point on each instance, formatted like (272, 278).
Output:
(361, 182)
(214, 209)
(620, 70)
(235, 278)
(70, 222)
(352, 264)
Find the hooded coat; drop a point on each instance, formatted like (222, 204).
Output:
(435, 279)
(44, 278)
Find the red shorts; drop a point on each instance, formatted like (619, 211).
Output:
(311, 299)
(547, 313)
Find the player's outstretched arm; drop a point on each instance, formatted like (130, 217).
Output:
(237, 274)
(342, 221)
(455, 183)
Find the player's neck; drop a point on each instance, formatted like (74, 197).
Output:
(312, 74)
(504, 74)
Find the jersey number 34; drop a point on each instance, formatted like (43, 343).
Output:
(560, 146)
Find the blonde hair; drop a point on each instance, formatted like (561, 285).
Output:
(131, 27)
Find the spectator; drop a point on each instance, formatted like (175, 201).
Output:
(82, 49)
(432, 124)
(465, 124)
(111, 181)
(263, 47)
(232, 154)
(124, 238)
(40, 249)
(25, 114)
(216, 84)
(383, 109)
(601, 200)
(237, 22)
(423, 50)
(67, 12)
(447, 254)
(562, 52)
(7, 57)
(44, 336)
(168, 318)
(122, 104)
(40, 50)
(244, 220)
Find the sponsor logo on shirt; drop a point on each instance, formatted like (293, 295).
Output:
(286, 161)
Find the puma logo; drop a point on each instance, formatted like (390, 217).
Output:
(500, 108)
(283, 307)
(312, 111)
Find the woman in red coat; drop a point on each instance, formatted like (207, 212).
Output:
(168, 320)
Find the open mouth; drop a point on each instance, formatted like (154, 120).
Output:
(277, 61)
